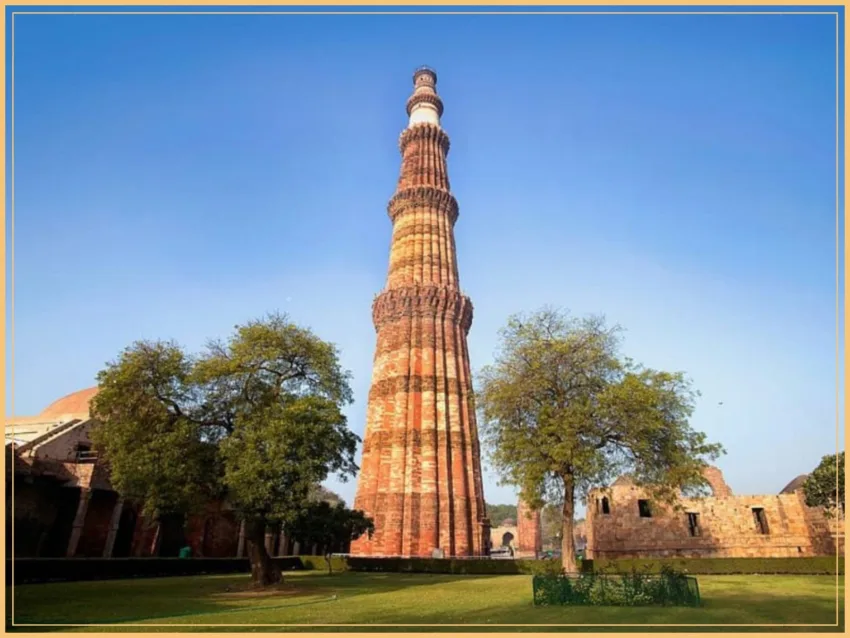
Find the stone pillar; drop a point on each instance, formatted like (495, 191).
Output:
(529, 531)
(114, 523)
(240, 547)
(79, 521)
(282, 544)
(157, 535)
(269, 541)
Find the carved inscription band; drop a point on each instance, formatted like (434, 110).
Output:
(423, 196)
(422, 301)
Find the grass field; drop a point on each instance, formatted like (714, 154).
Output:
(314, 598)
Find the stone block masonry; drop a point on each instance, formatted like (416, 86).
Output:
(623, 522)
(420, 477)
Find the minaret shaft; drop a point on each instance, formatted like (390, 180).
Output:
(420, 475)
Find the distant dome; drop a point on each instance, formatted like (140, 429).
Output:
(795, 485)
(508, 522)
(74, 403)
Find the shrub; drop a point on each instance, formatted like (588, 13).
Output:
(628, 590)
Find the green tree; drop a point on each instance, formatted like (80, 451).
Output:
(562, 411)
(328, 525)
(500, 513)
(824, 487)
(256, 419)
(551, 524)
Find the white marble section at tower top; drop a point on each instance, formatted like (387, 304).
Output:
(424, 112)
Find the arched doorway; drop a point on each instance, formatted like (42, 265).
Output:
(507, 539)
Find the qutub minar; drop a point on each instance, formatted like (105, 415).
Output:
(420, 476)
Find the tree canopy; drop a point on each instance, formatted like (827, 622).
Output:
(562, 411)
(256, 419)
(328, 525)
(824, 487)
(500, 513)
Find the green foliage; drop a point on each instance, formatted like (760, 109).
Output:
(625, 590)
(500, 513)
(824, 487)
(327, 525)
(803, 565)
(257, 418)
(320, 563)
(562, 411)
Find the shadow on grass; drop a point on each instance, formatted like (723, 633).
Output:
(427, 601)
(170, 599)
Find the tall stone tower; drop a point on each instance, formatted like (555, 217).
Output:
(420, 477)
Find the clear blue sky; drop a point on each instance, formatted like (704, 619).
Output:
(176, 175)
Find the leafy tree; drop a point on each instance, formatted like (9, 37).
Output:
(500, 513)
(551, 524)
(824, 487)
(256, 419)
(328, 525)
(561, 411)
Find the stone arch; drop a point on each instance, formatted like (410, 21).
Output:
(716, 482)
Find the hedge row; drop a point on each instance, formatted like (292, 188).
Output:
(809, 565)
(806, 565)
(43, 570)
(40, 570)
(451, 566)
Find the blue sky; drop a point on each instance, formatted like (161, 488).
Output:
(176, 175)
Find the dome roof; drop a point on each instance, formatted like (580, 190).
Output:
(795, 485)
(74, 403)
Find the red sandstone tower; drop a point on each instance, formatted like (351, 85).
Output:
(420, 478)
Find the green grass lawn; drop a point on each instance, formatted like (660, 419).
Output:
(314, 598)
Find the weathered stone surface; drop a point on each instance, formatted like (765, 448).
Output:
(420, 477)
(726, 525)
(530, 533)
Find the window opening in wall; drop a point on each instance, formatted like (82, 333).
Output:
(606, 508)
(643, 508)
(760, 520)
(693, 524)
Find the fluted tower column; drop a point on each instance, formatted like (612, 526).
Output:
(420, 477)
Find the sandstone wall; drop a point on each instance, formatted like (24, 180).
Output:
(727, 526)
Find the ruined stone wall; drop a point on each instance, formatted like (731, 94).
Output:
(497, 536)
(530, 541)
(64, 446)
(213, 534)
(34, 510)
(727, 526)
(97, 522)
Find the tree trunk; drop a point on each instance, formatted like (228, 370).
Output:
(568, 545)
(263, 570)
(330, 567)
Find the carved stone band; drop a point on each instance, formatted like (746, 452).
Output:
(422, 132)
(436, 302)
(423, 196)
